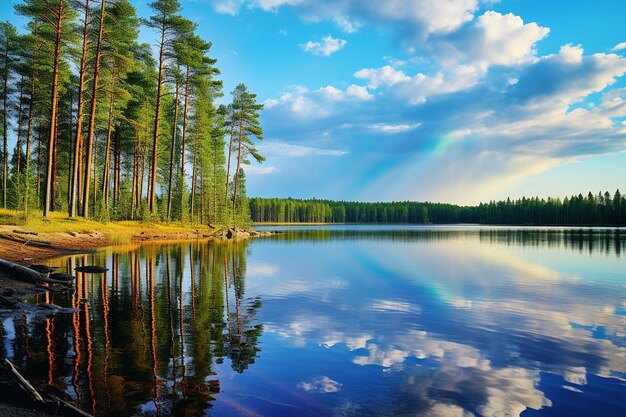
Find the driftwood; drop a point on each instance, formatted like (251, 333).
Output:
(69, 406)
(32, 242)
(24, 232)
(20, 272)
(24, 383)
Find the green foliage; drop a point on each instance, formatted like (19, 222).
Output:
(130, 84)
(576, 210)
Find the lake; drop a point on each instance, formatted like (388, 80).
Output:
(444, 321)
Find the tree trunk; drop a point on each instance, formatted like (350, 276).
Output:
(20, 110)
(54, 161)
(238, 163)
(29, 130)
(39, 149)
(78, 142)
(5, 149)
(95, 176)
(69, 134)
(117, 169)
(134, 195)
(214, 193)
(92, 117)
(142, 158)
(174, 131)
(193, 178)
(157, 122)
(53, 111)
(107, 154)
(201, 194)
(184, 141)
(230, 150)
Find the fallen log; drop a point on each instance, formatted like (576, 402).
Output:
(32, 242)
(24, 383)
(69, 406)
(20, 272)
(25, 232)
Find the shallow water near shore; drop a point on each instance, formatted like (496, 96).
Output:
(342, 321)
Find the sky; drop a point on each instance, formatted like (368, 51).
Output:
(456, 101)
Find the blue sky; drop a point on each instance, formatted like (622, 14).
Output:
(442, 100)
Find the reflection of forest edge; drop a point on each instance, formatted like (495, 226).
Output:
(590, 240)
(148, 335)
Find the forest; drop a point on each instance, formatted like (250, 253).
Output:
(601, 210)
(109, 128)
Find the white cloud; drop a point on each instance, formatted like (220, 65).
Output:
(347, 25)
(620, 46)
(326, 47)
(571, 54)
(491, 39)
(358, 92)
(260, 170)
(434, 15)
(448, 410)
(352, 92)
(274, 4)
(394, 306)
(393, 128)
(320, 385)
(318, 104)
(331, 93)
(286, 150)
(261, 269)
(384, 76)
(231, 7)
(420, 17)
(505, 39)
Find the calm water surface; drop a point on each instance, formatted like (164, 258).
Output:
(342, 321)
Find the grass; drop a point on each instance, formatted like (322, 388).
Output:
(118, 233)
(293, 224)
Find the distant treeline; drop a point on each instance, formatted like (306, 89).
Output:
(601, 209)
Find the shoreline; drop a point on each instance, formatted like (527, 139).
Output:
(22, 246)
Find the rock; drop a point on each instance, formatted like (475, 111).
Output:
(91, 269)
(235, 233)
(62, 277)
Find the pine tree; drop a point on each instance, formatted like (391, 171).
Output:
(246, 117)
(167, 21)
(8, 50)
(78, 140)
(53, 20)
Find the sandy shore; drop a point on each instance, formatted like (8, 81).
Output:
(19, 245)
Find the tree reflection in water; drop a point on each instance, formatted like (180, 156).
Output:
(135, 348)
